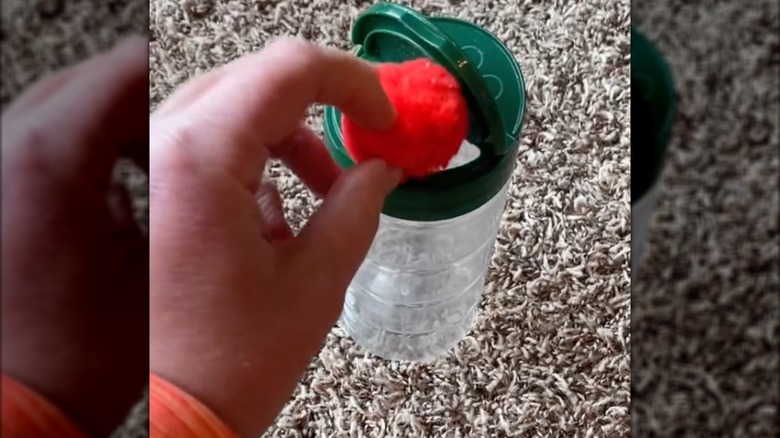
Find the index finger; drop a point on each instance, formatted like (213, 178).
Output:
(259, 100)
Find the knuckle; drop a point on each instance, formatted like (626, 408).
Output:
(28, 136)
(296, 50)
(168, 152)
(25, 149)
(289, 45)
(135, 44)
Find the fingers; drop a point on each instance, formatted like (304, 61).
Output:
(83, 118)
(294, 74)
(269, 202)
(304, 154)
(336, 239)
(190, 92)
(259, 100)
(42, 90)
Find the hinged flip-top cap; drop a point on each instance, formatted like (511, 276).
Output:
(393, 33)
(492, 85)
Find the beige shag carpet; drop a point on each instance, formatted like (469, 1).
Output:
(705, 309)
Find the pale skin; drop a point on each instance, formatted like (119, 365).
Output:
(238, 305)
(74, 263)
(238, 308)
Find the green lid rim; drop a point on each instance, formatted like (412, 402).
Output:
(432, 198)
(664, 82)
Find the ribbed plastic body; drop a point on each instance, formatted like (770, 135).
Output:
(641, 215)
(417, 292)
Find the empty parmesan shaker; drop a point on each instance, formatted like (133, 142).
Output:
(418, 290)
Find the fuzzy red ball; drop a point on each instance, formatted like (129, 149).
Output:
(431, 125)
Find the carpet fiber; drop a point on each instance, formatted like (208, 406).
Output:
(705, 309)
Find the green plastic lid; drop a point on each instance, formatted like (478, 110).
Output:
(494, 89)
(652, 113)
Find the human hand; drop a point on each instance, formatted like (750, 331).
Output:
(238, 305)
(74, 263)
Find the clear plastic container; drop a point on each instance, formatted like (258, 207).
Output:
(418, 290)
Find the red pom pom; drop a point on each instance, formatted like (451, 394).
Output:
(431, 125)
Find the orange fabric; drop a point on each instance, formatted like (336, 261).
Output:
(25, 414)
(175, 414)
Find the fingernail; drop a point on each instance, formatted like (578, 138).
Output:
(381, 120)
(389, 119)
(385, 118)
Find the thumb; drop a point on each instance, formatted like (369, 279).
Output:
(337, 237)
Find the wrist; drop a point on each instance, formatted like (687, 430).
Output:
(89, 384)
(175, 413)
(95, 401)
(26, 413)
(246, 398)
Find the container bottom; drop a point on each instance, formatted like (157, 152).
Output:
(412, 347)
(641, 215)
